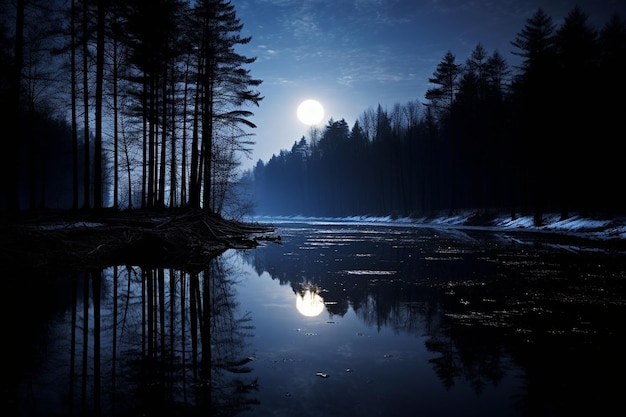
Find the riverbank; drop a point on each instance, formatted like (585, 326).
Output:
(188, 239)
(598, 229)
(184, 239)
(575, 225)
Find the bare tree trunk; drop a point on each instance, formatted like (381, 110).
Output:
(116, 176)
(173, 163)
(97, 178)
(163, 139)
(183, 161)
(128, 170)
(10, 162)
(87, 167)
(151, 145)
(194, 176)
(144, 156)
(74, 121)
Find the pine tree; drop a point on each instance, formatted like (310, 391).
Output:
(445, 77)
(226, 87)
(577, 58)
(536, 45)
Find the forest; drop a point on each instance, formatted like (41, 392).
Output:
(147, 105)
(537, 138)
(123, 104)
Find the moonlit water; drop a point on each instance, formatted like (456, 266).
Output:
(434, 322)
(338, 319)
(347, 364)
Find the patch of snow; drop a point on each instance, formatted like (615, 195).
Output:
(525, 222)
(601, 229)
(576, 224)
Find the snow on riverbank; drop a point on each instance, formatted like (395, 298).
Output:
(601, 229)
(604, 229)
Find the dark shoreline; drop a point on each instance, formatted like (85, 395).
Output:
(187, 239)
(184, 239)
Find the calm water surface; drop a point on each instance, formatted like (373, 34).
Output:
(339, 319)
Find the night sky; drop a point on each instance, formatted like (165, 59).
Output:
(354, 54)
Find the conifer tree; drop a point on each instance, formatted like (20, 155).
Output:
(226, 87)
(445, 78)
(535, 43)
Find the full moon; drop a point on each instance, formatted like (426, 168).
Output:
(310, 112)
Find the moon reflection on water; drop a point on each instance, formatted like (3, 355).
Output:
(309, 303)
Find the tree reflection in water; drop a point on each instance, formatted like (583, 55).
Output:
(135, 341)
(487, 322)
(486, 306)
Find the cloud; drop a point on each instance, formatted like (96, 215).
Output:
(345, 80)
(263, 52)
(281, 81)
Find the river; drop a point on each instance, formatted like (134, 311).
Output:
(336, 319)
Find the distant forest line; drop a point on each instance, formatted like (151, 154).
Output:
(132, 104)
(542, 137)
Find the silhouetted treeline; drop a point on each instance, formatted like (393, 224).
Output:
(540, 137)
(124, 104)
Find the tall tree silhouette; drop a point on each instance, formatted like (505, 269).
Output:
(226, 86)
(85, 36)
(100, 28)
(445, 78)
(153, 30)
(13, 109)
(611, 84)
(577, 55)
(536, 45)
(442, 98)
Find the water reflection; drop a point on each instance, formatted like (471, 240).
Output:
(346, 320)
(529, 325)
(133, 341)
(308, 301)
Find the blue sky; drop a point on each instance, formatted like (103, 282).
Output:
(354, 54)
